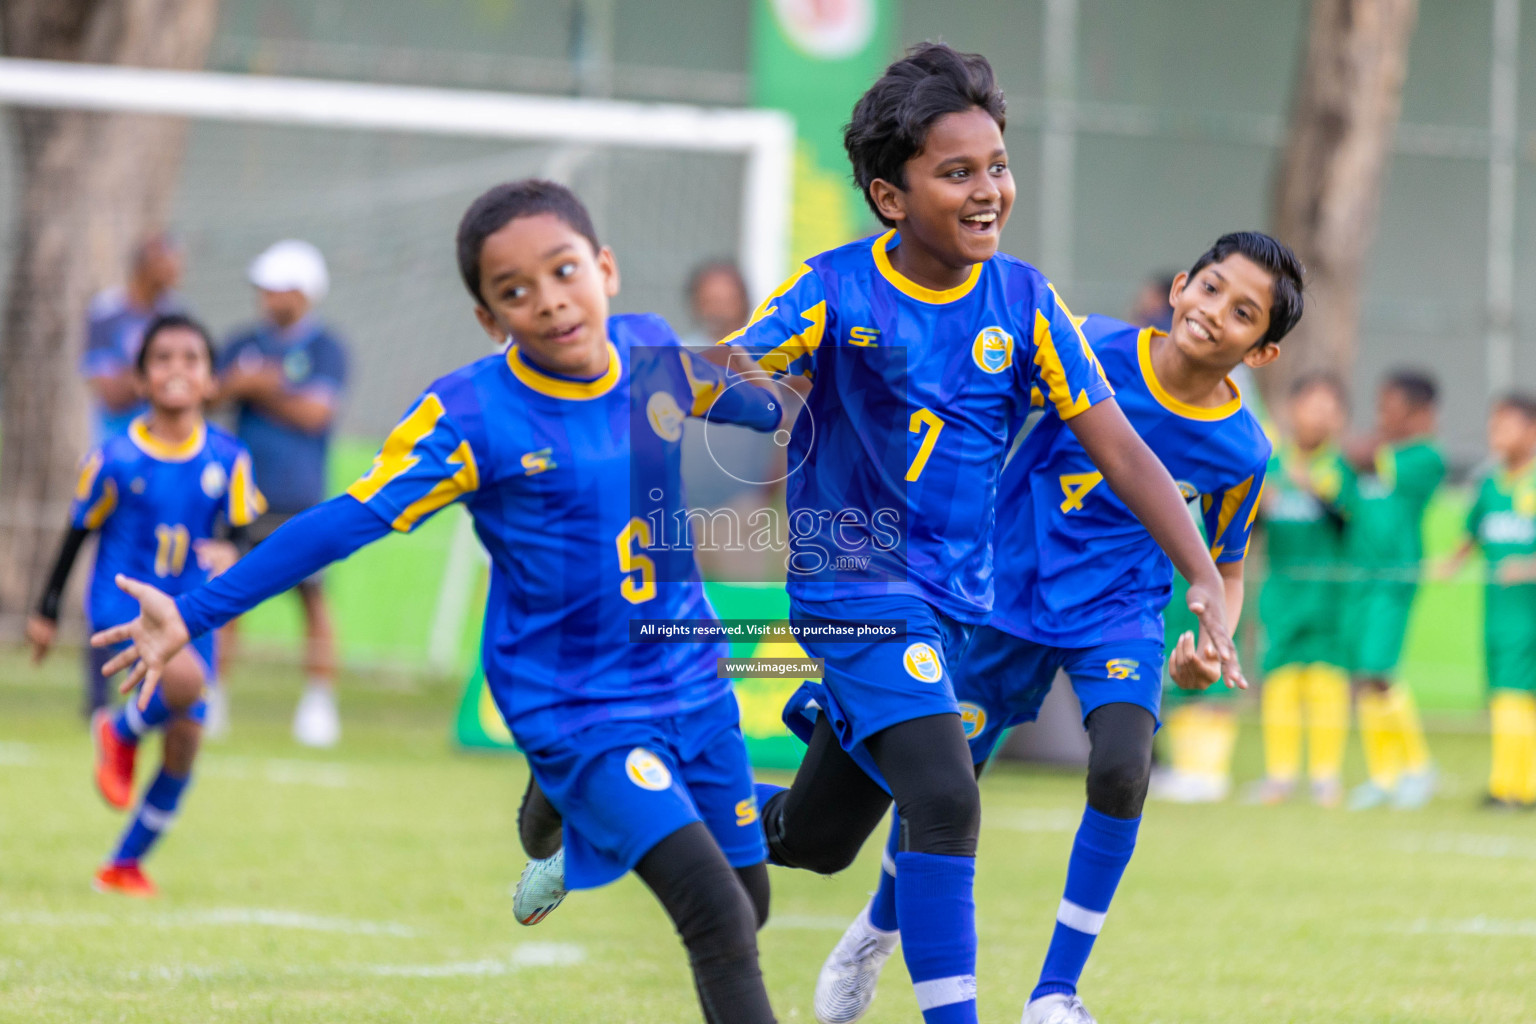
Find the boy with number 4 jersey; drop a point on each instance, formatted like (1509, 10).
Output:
(1081, 585)
(565, 448)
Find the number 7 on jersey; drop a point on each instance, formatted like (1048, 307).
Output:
(920, 419)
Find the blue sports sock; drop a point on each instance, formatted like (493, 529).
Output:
(882, 907)
(156, 812)
(132, 722)
(1100, 853)
(937, 909)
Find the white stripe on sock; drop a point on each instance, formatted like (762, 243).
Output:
(133, 716)
(1079, 918)
(887, 863)
(154, 819)
(961, 988)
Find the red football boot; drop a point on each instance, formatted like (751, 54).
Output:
(114, 761)
(125, 878)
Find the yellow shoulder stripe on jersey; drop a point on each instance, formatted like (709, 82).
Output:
(1053, 375)
(767, 306)
(98, 513)
(149, 444)
(907, 286)
(245, 501)
(1167, 401)
(802, 344)
(704, 391)
(463, 481)
(1230, 503)
(396, 458)
(555, 387)
(88, 470)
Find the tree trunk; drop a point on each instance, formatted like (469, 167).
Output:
(91, 186)
(1333, 170)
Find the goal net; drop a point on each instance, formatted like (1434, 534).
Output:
(377, 177)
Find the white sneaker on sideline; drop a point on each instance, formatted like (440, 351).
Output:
(540, 890)
(1057, 1008)
(316, 723)
(846, 985)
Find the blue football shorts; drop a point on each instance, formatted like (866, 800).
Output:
(624, 786)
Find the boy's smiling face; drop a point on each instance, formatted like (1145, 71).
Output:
(177, 375)
(542, 284)
(1221, 313)
(959, 191)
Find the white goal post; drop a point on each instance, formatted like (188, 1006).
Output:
(764, 137)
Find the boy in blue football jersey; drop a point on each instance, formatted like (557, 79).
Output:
(566, 449)
(924, 346)
(156, 495)
(1081, 586)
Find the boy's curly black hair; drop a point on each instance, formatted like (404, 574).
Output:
(891, 121)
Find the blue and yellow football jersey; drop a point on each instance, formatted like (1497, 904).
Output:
(895, 460)
(575, 489)
(151, 502)
(1074, 567)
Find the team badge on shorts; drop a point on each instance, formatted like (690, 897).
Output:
(922, 663)
(993, 349)
(1123, 668)
(666, 418)
(973, 718)
(214, 480)
(647, 771)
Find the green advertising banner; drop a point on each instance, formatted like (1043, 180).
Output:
(478, 724)
(813, 59)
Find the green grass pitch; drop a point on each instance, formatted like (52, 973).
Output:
(372, 884)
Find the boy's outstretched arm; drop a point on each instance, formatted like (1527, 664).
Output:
(299, 548)
(1140, 480)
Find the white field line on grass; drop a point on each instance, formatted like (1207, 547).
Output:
(12, 754)
(528, 955)
(1034, 819)
(236, 917)
(807, 922)
(278, 771)
(1474, 926)
(1468, 844)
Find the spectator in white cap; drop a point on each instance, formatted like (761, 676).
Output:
(285, 376)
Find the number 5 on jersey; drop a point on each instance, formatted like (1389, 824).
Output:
(641, 586)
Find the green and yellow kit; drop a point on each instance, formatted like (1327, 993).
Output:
(1502, 523)
(1383, 542)
(1303, 592)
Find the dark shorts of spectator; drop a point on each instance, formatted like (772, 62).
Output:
(265, 525)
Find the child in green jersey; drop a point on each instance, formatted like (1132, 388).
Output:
(1305, 665)
(1502, 523)
(1401, 467)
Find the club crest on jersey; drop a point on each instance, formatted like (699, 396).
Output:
(973, 719)
(537, 462)
(1188, 490)
(647, 771)
(993, 349)
(1123, 668)
(665, 417)
(214, 480)
(922, 663)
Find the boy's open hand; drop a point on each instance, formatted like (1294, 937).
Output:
(1215, 643)
(153, 638)
(1188, 669)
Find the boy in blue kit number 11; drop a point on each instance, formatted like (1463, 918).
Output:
(924, 346)
(156, 495)
(559, 447)
(1081, 586)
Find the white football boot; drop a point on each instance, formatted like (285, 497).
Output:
(316, 722)
(1057, 1008)
(540, 890)
(846, 985)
